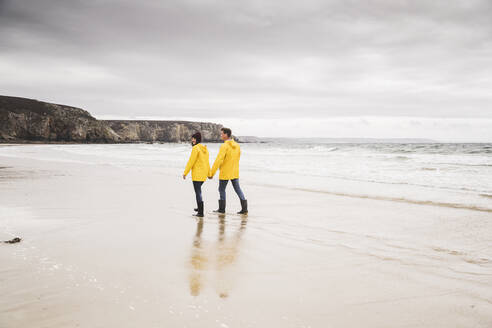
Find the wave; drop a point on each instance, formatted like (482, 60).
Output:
(401, 183)
(321, 148)
(387, 198)
(462, 164)
(428, 169)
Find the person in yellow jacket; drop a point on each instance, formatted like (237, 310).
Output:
(200, 169)
(228, 162)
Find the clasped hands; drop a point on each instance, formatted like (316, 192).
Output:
(210, 177)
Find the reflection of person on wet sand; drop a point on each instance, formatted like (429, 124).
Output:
(226, 251)
(198, 261)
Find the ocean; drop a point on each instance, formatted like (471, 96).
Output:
(440, 174)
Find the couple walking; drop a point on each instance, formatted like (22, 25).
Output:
(227, 162)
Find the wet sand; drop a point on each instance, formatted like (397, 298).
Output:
(114, 247)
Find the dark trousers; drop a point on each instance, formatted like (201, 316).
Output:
(235, 184)
(197, 185)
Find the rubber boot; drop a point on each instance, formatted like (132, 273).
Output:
(199, 211)
(244, 207)
(222, 205)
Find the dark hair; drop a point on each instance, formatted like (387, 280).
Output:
(198, 137)
(227, 131)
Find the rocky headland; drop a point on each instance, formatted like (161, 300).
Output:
(24, 120)
(165, 131)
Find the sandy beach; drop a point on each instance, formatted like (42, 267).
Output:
(108, 246)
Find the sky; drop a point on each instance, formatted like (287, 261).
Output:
(373, 68)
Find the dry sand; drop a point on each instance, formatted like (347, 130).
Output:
(114, 247)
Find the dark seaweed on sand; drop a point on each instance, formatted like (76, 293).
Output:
(13, 241)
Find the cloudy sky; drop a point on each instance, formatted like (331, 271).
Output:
(380, 68)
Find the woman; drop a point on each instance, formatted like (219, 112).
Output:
(200, 169)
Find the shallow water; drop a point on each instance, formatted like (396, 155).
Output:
(454, 175)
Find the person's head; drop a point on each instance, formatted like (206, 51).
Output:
(225, 133)
(196, 138)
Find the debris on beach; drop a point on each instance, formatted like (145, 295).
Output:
(13, 241)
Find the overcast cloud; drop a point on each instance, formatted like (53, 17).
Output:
(258, 62)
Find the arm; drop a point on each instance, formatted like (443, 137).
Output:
(219, 160)
(191, 161)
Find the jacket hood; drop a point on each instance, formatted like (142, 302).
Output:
(232, 143)
(201, 148)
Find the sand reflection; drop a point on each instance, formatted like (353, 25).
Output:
(216, 257)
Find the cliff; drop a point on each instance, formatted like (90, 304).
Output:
(29, 120)
(167, 131)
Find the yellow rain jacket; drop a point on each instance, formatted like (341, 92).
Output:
(198, 163)
(227, 161)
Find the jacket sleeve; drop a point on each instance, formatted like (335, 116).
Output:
(191, 161)
(219, 160)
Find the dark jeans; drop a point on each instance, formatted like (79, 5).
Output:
(197, 185)
(235, 184)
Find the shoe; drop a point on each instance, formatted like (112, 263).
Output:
(222, 205)
(199, 211)
(244, 207)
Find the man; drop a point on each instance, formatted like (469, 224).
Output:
(228, 162)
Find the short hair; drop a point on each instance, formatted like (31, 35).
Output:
(227, 131)
(198, 137)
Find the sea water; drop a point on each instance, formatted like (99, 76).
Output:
(440, 174)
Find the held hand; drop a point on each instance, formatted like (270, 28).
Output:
(184, 177)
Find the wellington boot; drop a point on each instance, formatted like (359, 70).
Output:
(244, 207)
(222, 205)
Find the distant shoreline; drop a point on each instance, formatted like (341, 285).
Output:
(274, 140)
(28, 142)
